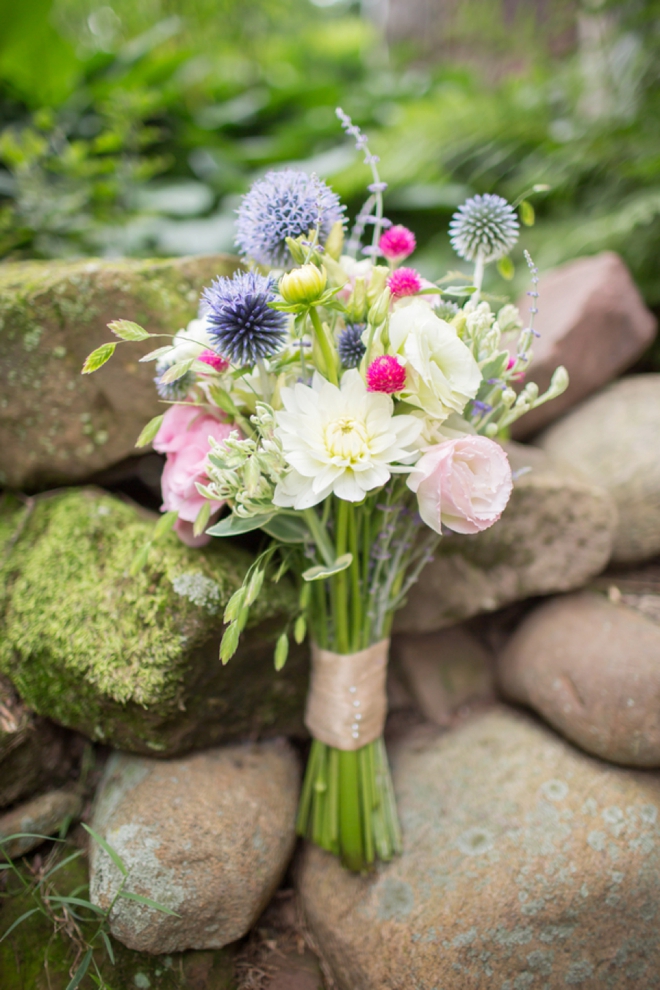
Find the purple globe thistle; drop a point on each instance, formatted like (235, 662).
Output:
(350, 346)
(241, 321)
(484, 227)
(284, 204)
(173, 391)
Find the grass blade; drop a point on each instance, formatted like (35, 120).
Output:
(80, 972)
(23, 917)
(127, 895)
(108, 947)
(112, 853)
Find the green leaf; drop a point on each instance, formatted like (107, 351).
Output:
(80, 972)
(222, 399)
(78, 901)
(62, 863)
(506, 268)
(165, 524)
(108, 947)
(235, 525)
(234, 605)
(107, 848)
(495, 366)
(177, 371)
(202, 519)
(229, 643)
(154, 355)
(126, 330)
(286, 529)
(300, 628)
(527, 214)
(98, 358)
(128, 896)
(23, 917)
(150, 431)
(254, 586)
(140, 559)
(459, 290)
(281, 651)
(323, 571)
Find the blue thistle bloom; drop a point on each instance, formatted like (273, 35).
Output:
(446, 310)
(485, 226)
(239, 318)
(173, 391)
(284, 204)
(350, 346)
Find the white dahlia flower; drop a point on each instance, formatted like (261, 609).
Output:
(442, 374)
(339, 439)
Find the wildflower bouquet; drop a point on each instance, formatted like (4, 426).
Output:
(335, 400)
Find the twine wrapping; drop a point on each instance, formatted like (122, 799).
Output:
(347, 703)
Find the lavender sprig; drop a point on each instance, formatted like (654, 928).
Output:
(376, 188)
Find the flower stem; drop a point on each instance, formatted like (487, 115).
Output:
(324, 344)
(341, 613)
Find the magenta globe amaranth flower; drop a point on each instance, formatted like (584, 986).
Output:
(284, 204)
(386, 374)
(240, 320)
(397, 243)
(404, 282)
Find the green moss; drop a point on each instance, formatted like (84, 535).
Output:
(128, 659)
(52, 314)
(37, 957)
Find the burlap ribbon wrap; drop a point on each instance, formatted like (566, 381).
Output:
(347, 703)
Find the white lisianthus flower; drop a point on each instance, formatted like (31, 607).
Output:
(442, 373)
(339, 439)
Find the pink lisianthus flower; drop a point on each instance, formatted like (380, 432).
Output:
(184, 438)
(463, 484)
(397, 243)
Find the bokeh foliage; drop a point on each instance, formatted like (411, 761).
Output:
(134, 128)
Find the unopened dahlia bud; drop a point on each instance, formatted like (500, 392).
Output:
(303, 285)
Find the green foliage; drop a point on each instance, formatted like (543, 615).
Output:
(149, 120)
(80, 929)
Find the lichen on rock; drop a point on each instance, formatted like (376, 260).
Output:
(133, 660)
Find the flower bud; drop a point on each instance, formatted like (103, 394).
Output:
(559, 381)
(298, 252)
(335, 241)
(356, 308)
(508, 397)
(379, 276)
(459, 321)
(303, 285)
(381, 308)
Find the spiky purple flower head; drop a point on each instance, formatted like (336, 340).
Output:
(241, 321)
(350, 346)
(484, 226)
(284, 204)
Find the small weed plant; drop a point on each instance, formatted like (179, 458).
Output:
(72, 916)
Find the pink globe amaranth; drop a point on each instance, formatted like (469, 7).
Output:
(397, 243)
(385, 374)
(214, 360)
(462, 484)
(184, 438)
(404, 282)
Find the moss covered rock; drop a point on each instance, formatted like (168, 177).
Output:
(133, 661)
(36, 956)
(57, 426)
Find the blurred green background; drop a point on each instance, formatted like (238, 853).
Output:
(132, 127)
